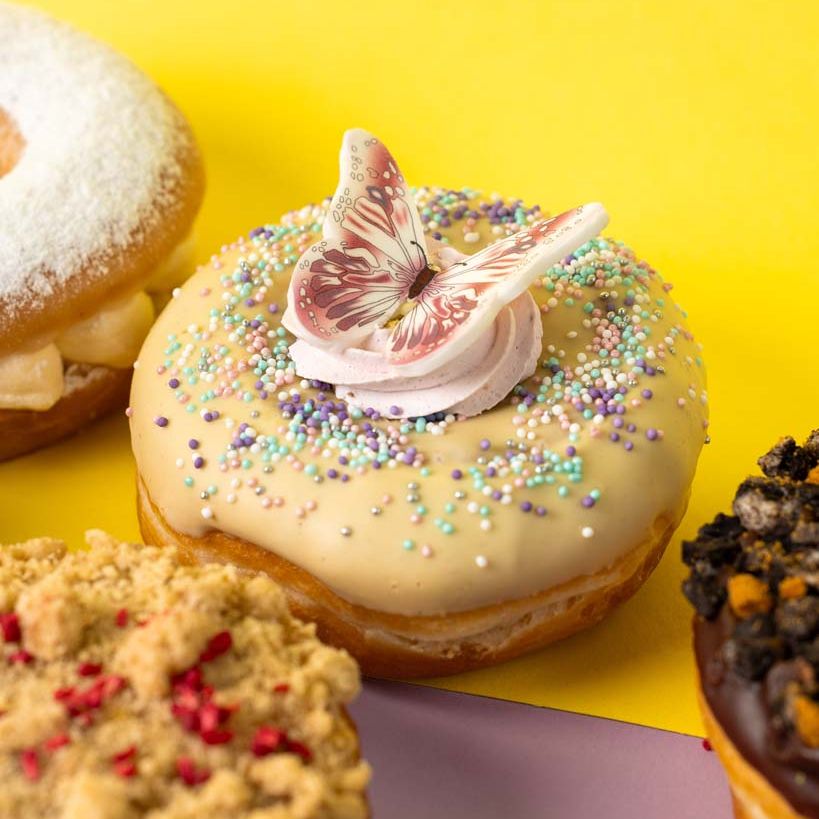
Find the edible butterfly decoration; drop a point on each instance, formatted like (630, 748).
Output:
(374, 265)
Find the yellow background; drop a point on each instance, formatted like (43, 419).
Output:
(695, 123)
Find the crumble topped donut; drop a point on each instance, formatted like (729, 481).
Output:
(100, 180)
(434, 542)
(133, 686)
(754, 583)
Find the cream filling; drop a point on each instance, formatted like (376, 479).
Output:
(31, 380)
(112, 337)
(174, 270)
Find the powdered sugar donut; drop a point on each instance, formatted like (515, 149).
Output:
(100, 180)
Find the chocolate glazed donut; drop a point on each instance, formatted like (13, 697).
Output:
(755, 582)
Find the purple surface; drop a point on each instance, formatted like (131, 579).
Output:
(442, 755)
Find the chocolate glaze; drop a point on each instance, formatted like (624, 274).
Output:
(743, 709)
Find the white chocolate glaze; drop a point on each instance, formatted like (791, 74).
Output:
(547, 486)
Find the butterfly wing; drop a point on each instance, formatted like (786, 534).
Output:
(461, 302)
(372, 249)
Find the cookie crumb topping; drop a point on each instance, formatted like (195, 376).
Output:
(134, 686)
(756, 572)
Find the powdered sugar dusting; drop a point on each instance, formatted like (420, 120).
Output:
(99, 162)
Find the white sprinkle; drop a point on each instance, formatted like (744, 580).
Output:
(481, 561)
(587, 531)
(207, 512)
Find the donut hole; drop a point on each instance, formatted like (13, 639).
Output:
(11, 143)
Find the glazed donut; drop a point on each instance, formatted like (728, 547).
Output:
(100, 180)
(754, 584)
(134, 685)
(434, 543)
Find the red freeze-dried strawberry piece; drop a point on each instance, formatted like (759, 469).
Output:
(30, 763)
(10, 626)
(125, 769)
(281, 688)
(112, 684)
(121, 618)
(128, 753)
(211, 717)
(124, 764)
(268, 740)
(300, 749)
(22, 657)
(80, 703)
(192, 678)
(216, 737)
(218, 645)
(192, 701)
(188, 773)
(56, 742)
(89, 669)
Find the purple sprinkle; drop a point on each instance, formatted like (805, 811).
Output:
(193, 443)
(540, 511)
(629, 446)
(395, 410)
(457, 474)
(161, 421)
(198, 462)
(272, 308)
(571, 451)
(647, 394)
(173, 383)
(652, 434)
(526, 506)
(615, 436)
(587, 502)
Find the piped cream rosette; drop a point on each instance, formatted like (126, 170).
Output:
(409, 327)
